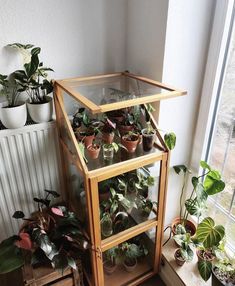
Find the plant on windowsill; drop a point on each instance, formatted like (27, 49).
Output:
(33, 80)
(13, 115)
(196, 204)
(210, 236)
(51, 235)
(185, 252)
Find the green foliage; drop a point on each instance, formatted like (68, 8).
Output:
(170, 140)
(209, 234)
(186, 244)
(205, 268)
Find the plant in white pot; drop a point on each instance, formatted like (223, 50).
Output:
(13, 115)
(33, 80)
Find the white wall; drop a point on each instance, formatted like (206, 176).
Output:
(77, 37)
(187, 41)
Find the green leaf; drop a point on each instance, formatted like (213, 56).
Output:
(194, 207)
(187, 254)
(170, 140)
(18, 214)
(213, 184)
(209, 234)
(204, 165)
(195, 182)
(20, 46)
(115, 147)
(179, 168)
(36, 51)
(53, 193)
(72, 263)
(205, 269)
(60, 262)
(201, 193)
(114, 207)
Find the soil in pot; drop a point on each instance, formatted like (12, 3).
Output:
(109, 267)
(130, 264)
(189, 226)
(178, 258)
(130, 142)
(107, 137)
(205, 255)
(93, 151)
(116, 116)
(222, 278)
(148, 140)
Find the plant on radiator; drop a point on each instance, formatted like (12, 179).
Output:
(51, 235)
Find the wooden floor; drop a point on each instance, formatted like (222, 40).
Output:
(15, 279)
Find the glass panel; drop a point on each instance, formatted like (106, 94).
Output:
(230, 231)
(113, 89)
(129, 260)
(128, 199)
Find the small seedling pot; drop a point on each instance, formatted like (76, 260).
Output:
(130, 265)
(108, 152)
(130, 142)
(109, 267)
(93, 151)
(88, 140)
(107, 137)
(148, 139)
(178, 258)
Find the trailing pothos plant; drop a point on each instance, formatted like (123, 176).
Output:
(51, 235)
(210, 236)
(207, 184)
(33, 78)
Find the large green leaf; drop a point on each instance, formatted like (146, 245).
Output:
(210, 234)
(179, 168)
(213, 183)
(204, 165)
(170, 140)
(194, 207)
(201, 193)
(205, 268)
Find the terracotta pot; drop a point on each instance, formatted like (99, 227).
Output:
(189, 225)
(109, 267)
(41, 112)
(88, 140)
(148, 140)
(107, 137)
(130, 267)
(200, 257)
(179, 260)
(130, 145)
(124, 129)
(93, 151)
(14, 117)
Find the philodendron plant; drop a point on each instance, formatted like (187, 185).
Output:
(51, 235)
(210, 236)
(205, 185)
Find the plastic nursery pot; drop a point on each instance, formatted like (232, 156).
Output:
(14, 117)
(189, 226)
(109, 267)
(130, 264)
(130, 142)
(179, 260)
(148, 139)
(107, 137)
(88, 140)
(108, 152)
(93, 151)
(106, 226)
(123, 129)
(41, 112)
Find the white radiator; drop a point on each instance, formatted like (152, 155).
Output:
(29, 163)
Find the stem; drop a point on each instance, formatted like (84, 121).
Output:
(181, 195)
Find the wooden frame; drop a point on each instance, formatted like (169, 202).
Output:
(71, 153)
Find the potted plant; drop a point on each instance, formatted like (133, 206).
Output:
(33, 80)
(223, 270)
(51, 235)
(149, 135)
(130, 141)
(185, 252)
(127, 124)
(93, 150)
(210, 236)
(15, 114)
(107, 130)
(106, 224)
(146, 205)
(109, 263)
(116, 115)
(78, 119)
(196, 204)
(109, 149)
(144, 181)
(129, 253)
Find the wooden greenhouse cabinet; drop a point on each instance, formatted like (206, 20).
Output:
(94, 94)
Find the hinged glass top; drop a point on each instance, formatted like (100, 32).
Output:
(114, 91)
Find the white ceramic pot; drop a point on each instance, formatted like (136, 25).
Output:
(14, 117)
(41, 112)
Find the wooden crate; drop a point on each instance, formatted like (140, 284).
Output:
(46, 275)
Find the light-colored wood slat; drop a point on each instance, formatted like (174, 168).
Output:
(125, 166)
(71, 134)
(92, 77)
(156, 83)
(143, 278)
(127, 234)
(161, 212)
(82, 99)
(138, 101)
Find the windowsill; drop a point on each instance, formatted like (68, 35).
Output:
(188, 273)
